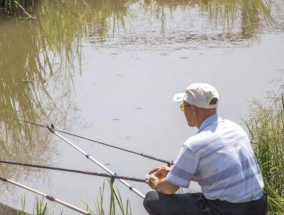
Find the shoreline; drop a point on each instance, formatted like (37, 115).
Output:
(7, 210)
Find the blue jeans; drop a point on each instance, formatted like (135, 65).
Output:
(157, 203)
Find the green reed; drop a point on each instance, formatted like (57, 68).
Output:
(266, 126)
(116, 204)
(40, 207)
(12, 6)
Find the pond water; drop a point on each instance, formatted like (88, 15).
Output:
(108, 71)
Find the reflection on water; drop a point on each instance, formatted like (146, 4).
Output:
(41, 58)
(184, 24)
(34, 60)
(239, 15)
(21, 83)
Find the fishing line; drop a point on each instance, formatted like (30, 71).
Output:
(74, 171)
(169, 163)
(50, 198)
(97, 162)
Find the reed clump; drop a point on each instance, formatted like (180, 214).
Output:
(10, 7)
(115, 206)
(266, 126)
(111, 205)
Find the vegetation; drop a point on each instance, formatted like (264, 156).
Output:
(266, 126)
(46, 58)
(10, 7)
(116, 204)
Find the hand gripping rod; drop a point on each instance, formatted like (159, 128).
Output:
(97, 162)
(50, 198)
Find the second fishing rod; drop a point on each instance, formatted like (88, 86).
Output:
(169, 163)
(51, 129)
(86, 172)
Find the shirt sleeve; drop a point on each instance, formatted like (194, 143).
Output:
(184, 168)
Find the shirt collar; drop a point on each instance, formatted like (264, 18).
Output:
(208, 121)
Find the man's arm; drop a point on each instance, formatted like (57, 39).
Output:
(163, 186)
(157, 181)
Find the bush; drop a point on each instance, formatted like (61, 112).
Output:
(266, 126)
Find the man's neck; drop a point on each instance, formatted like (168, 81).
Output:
(206, 113)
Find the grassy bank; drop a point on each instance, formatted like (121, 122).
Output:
(266, 126)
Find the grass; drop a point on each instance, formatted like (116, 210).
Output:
(266, 126)
(40, 207)
(116, 204)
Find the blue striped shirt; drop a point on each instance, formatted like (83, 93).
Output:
(220, 158)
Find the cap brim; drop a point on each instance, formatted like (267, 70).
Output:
(179, 97)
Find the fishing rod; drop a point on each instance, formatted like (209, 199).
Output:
(96, 162)
(50, 198)
(74, 171)
(169, 163)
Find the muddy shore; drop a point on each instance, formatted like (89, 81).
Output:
(7, 210)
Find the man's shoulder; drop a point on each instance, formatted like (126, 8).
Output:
(197, 142)
(222, 132)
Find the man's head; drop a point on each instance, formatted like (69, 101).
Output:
(199, 101)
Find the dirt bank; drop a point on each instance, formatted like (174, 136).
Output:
(6, 210)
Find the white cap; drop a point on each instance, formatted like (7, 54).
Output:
(200, 95)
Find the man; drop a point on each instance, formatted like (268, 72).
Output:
(219, 158)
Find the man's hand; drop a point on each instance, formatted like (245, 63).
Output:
(157, 180)
(160, 172)
(152, 181)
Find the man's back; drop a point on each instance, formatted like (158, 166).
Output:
(227, 168)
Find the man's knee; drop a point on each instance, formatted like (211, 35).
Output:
(149, 199)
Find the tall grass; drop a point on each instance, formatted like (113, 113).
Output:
(116, 204)
(40, 207)
(266, 126)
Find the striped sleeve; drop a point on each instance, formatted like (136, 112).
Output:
(184, 168)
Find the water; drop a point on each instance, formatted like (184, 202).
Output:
(109, 72)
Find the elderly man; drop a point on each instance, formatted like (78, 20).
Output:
(219, 158)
